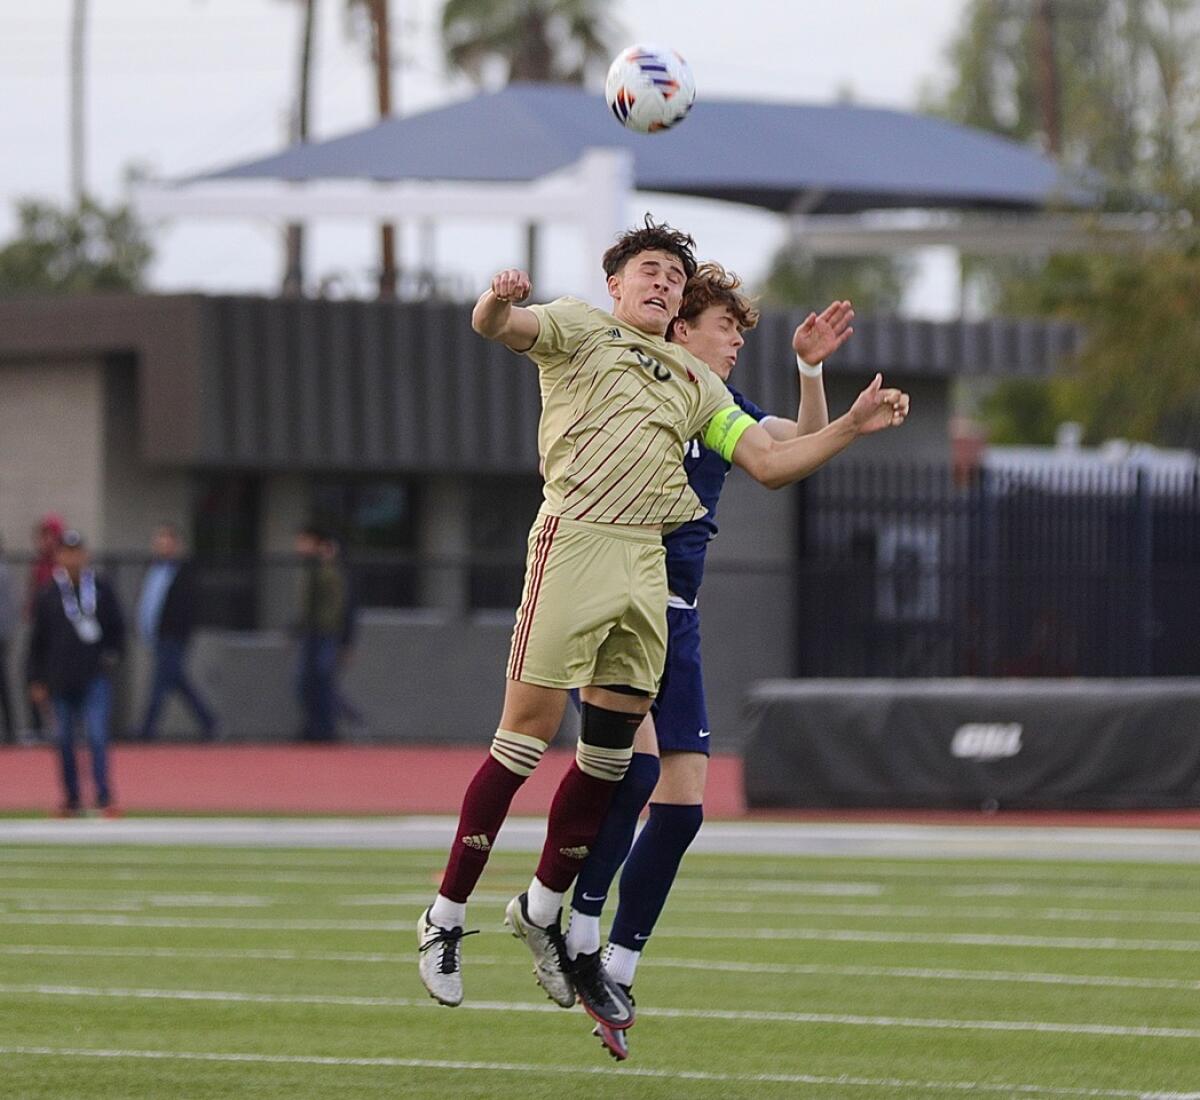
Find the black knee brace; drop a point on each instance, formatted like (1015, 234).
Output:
(607, 729)
(605, 742)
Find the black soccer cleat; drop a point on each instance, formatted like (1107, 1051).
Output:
(602, 998)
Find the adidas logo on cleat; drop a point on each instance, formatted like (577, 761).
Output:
(580, 852)
(479, 842)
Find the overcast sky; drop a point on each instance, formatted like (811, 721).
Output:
(178, 86)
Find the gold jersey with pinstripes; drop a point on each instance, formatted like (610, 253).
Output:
(618, 408)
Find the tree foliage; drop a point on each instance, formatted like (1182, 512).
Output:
(74, 251)
(1126, 89)
(555, 41)
(875, 284)
(1126, 101)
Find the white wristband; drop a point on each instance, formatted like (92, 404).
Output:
(810, 372)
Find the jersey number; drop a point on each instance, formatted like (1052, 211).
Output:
(648, 362)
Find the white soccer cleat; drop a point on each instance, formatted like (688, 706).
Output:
(440, 960)
(548, 948)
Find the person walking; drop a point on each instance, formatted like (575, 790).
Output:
(166, 619)
(320, 630)
(77, 641)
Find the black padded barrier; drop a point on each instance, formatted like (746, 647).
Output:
(984, 744)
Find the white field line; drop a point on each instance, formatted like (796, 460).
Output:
(430, 876)
(574, 1072)
(1045, 1027)
(1102, 981)
(427, 877)
(1024, 890)
(318, 873)
(837, 935)
(133, 900)
(80, 899)
(972, 913)
(1006, 867)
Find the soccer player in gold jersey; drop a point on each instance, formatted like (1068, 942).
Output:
(619, 405)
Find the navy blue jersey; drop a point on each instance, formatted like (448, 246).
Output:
(688, 543)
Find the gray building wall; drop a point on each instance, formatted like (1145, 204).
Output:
(52, 439)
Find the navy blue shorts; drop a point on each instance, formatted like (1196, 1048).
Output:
(680, 714)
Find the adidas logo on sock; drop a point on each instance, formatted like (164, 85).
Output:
(479, 842)
(574, 853)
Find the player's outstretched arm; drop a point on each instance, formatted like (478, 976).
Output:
(775, 464)
(816, 338)
(497, 317)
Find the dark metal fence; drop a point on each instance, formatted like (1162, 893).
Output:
(1038, 572)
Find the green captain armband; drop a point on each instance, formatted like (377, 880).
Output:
(724, 430)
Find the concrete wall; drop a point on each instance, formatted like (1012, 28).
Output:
(417, 676)
(51, 446)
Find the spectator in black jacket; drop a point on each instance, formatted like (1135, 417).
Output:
(77, 641)
(166, 618)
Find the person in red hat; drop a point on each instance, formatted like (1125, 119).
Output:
(77, 641)
(47, 535)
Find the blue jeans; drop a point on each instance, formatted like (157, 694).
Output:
(317, 687)
(92, 707)
(170, 675)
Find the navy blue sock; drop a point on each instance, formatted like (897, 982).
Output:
(650, 871)
(611, 846)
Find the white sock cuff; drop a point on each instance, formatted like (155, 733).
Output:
(583, 934)
(621, 963)
(448, 914)
(543, 903)
(602, 763)
(518, 752)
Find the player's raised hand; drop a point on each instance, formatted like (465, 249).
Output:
(511, 285)
(878, 407)
(821, 334)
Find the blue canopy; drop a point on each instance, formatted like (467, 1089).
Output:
(837, 159)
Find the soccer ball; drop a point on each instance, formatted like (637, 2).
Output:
(649, 88)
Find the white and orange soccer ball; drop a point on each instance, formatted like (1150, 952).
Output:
(649, 88)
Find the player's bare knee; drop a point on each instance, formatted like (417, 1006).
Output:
(683, 779)
(646, 740)
(533, 710)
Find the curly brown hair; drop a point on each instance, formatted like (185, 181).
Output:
(651, 236)
(712, 285)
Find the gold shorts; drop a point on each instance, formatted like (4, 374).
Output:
(594, 609)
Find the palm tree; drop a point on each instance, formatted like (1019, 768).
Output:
(556, 41)
(293, 268)
(78, 79)
(381, 61)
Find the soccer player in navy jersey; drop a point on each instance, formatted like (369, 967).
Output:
(670, 763)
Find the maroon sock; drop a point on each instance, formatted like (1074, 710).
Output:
(576, 815)
(484, 808)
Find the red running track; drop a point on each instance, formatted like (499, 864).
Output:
(357, 779)
(302, 779)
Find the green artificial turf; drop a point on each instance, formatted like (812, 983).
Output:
(203, 973)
